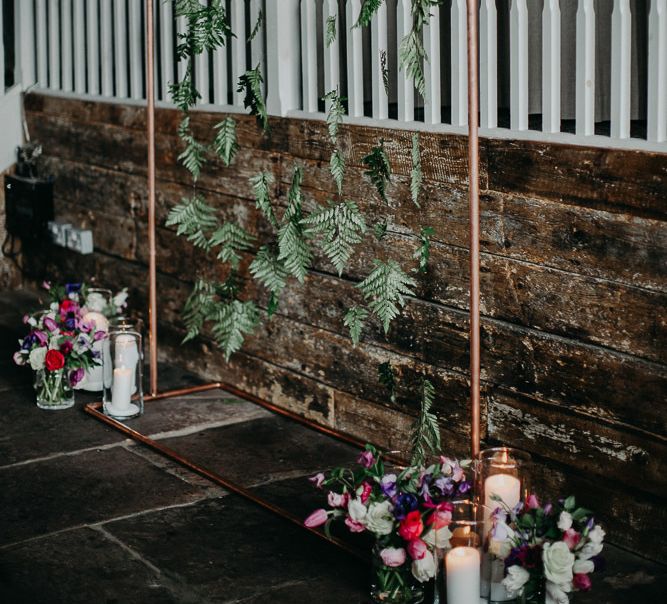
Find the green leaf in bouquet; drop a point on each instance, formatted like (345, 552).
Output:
(569, 503)
(580, 513)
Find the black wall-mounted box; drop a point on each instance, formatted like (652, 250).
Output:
(28, 206)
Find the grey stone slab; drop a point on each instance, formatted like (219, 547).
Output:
(69, 491)
(262, 450)
(78, 567)
(232, 549)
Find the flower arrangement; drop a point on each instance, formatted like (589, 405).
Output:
(90, 298)
(407, 512)
(551, 550)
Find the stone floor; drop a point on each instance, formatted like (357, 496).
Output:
(88, 516)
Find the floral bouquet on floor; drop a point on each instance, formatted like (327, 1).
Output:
(551, 551)
(91, 299)
(59, 348)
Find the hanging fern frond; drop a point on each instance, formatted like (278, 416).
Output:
(232, 240)
(232, 321)
(379, 170)
(354, 320)
(366, 12)
(251, 84)
(335, 114)
(184, 94)
(193, 156)
(411, 59)
(331, 29)
(425, 438)
(261, 185)
(385, 289)
(416, 172)
(197, 308)
(380, 230)
(385, 70)
(293, 248)
(208, 27)
(293, 210)
(269, 271)
(337, 167)
(258, 25)
(225, 143)
(387, 378)
(193, 218)
(423, 252)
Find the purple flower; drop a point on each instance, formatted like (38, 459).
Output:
(70, 323)
(86, 326)
(444, 485)
(424, 491)
(76, 376)
(464, 487)
(99, 335)
(50, 324)
(591, 523)
(72, 288)
(40, 337)
(366, 459)
(388, 485)
(405, 503)
(548, 509)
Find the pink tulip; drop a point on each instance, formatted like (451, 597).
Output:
(393, 556)
(50, 324)
(317, 518)
(582, 582)
(366, 459)
(532, 503)
(317, 480)
(417, 549)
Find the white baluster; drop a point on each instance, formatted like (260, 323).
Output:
(432, 98)
(355, 63)
(309, 55)
(25, 42)
(657, 72)
(42, 51)
(220, 88)
(257, 54)
(92, 48)
(136, 51)
(181, 28)
(79, 48)
(331, 61)
(621, 22)
(406, 87)
(106, 45)
(66, 35)
(379, 48)
(54, 46)
(120, 47)
(519, 65)
(551, 66)
(166, 48)
(488, 64)
(202, 80)
(2, 57)
(459, 67)
(238, 48)
(585, 72)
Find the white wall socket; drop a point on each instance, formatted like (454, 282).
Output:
(64, 234)
(58, 231)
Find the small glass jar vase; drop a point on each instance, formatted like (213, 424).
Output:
(393, 584)
(122, 366)
(98, 299)
(53, 389)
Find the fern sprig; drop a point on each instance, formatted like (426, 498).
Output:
(335, 114)
(269, 271)
(425, 436)
(366, 12)
(293, 247)
(379, 169)
(423, 252)
(232, 321)
(261, 185)
(225, 143)
(251, 84)
(354, 320)
(337, 168)
(232, 240)
(331, 30)
(193, 218)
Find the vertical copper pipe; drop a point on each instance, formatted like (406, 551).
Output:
(473, 175)
(152, 269)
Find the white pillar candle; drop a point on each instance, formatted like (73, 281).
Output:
(127, 355)
(121, 389)
(505, 486)
(462, 565)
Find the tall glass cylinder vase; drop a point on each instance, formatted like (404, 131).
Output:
(502, 481)
(123, 364)
(53, 390)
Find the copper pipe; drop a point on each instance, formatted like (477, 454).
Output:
(150, 127)
(473, 175)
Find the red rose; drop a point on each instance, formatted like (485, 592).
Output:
(411, 526)
(67, 306)
(54, 360)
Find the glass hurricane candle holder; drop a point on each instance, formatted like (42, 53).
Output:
(502, 481)
(123, 362)
(98, 299)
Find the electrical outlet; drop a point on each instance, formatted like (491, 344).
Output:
(80, 240)
(58, 232)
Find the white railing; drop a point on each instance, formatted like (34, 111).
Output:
(544, 66)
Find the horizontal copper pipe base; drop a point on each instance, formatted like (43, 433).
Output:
(95, 410)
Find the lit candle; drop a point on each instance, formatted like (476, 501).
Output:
(127, 355)
(462, 535)
(462, 566)
(121, 389)
(504, 486)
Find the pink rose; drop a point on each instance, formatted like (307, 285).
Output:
(572, 538)
(366, 459)
(411, 526)
(366, 490)
(336, 500)
(582, 582)
(317, 480)
(440, 519)
(417, 549)
(532, 503)
(393, 556)
(19, 359)
(354, 526)
(317, 518)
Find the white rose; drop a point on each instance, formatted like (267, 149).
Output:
(423, 570)
(120, 299)
(438, 538)
(54, 306)
(589, 550)
(583, 567)
(557, 594)
(565, 521)
(558, 561)
(597, 534)
(379, 519)
(500, 548)
(36, 358)
(96, 302)
(516, 578)
(357, 511)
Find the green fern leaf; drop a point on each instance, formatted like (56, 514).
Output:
(423, 252)
(379, 170)
(207, 27)
(411, 59)
(337, 167)
(232, 321)
(294, 250)
(197, 308)
(294, 198)
(184, 94)
(335, 114)
(341, 227)
(354, 320)
(193, 156)
(193, 218)
(385, 70)
(261, 184)
(366, 12)
(425, 436)
(269, 271)
(385, 289)
(251, 84)
(331, 29)
(380, 230)
(258, 25)
(225, 144)
(232, 240)
(388, 379)
(416, 172)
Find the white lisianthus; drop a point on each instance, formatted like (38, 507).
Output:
(565, 521)
(36, 358)
(558, 561)
(589, 550)
(357, 511)
(516, 578)
(54, 306)
(424, 569)
(96, 302)
(379, 519)
(557, 593)
(438, 538)
(583, 567)
(500, 548)
(597, 534)
(120, 299)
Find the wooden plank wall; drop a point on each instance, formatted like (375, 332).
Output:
(574, 251)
